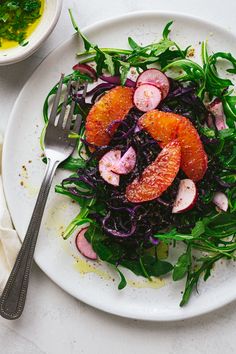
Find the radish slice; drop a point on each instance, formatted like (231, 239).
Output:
(186, 196)
(147, 97)
(216, 108)
(221, 201)
(106, 165)
(156, 78)
(84, 246)
(126, 163)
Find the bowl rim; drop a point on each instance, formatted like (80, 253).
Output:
(17, 57)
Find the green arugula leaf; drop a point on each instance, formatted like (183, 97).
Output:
(133, 44)
(123, 281)
(229, 163)
(87, 43)
(106, 250)
(188, 291)
(197, 231)
(214, 85)
(124, 69)
(225, 56)
(232, 200)
(160, 48)
(229, 104)
(227, 133)
(81, 219)
(166, 30)
(73, 164)
(155, 267)
(149, 54)
(193, 277)
(193, 71)
(144, 270)
(223, 220)
(81, 201)
(99, 59)
(182, 265)
(229, 178)
(174, 235)
(199, 228)
(110, 64)
(132, 265)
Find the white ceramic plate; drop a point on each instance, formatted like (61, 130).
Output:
(56, 257)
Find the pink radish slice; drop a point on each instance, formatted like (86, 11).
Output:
(147, 97)
(216, 108)
(157, 78)
(106, 165)
(186, 196)
(126, 163)
(84, 246)
(221, 201)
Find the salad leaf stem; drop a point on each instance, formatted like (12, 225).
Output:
(105, 50)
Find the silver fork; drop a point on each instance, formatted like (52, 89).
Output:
(58, 147)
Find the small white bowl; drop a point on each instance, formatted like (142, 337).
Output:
(50, 16)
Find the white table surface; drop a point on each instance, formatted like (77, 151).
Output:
(54, 322)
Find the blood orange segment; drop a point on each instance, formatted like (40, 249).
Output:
(113, 106)
(193, 156)
(165, 127)
(160, 125)
(157, 177)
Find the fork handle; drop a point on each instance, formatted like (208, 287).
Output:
(14, 294)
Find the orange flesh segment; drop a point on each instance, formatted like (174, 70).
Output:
(193, 156)
(164, 127)
(157, 177)
(114, 105)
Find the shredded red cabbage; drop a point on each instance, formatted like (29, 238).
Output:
(115, 80)
(86, 69)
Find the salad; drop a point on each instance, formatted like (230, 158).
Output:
(155, 165)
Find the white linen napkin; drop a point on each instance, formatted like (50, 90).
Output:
(9, 241)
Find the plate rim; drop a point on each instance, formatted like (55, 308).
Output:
(93, 27)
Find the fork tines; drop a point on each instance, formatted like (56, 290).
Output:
(65, 121)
